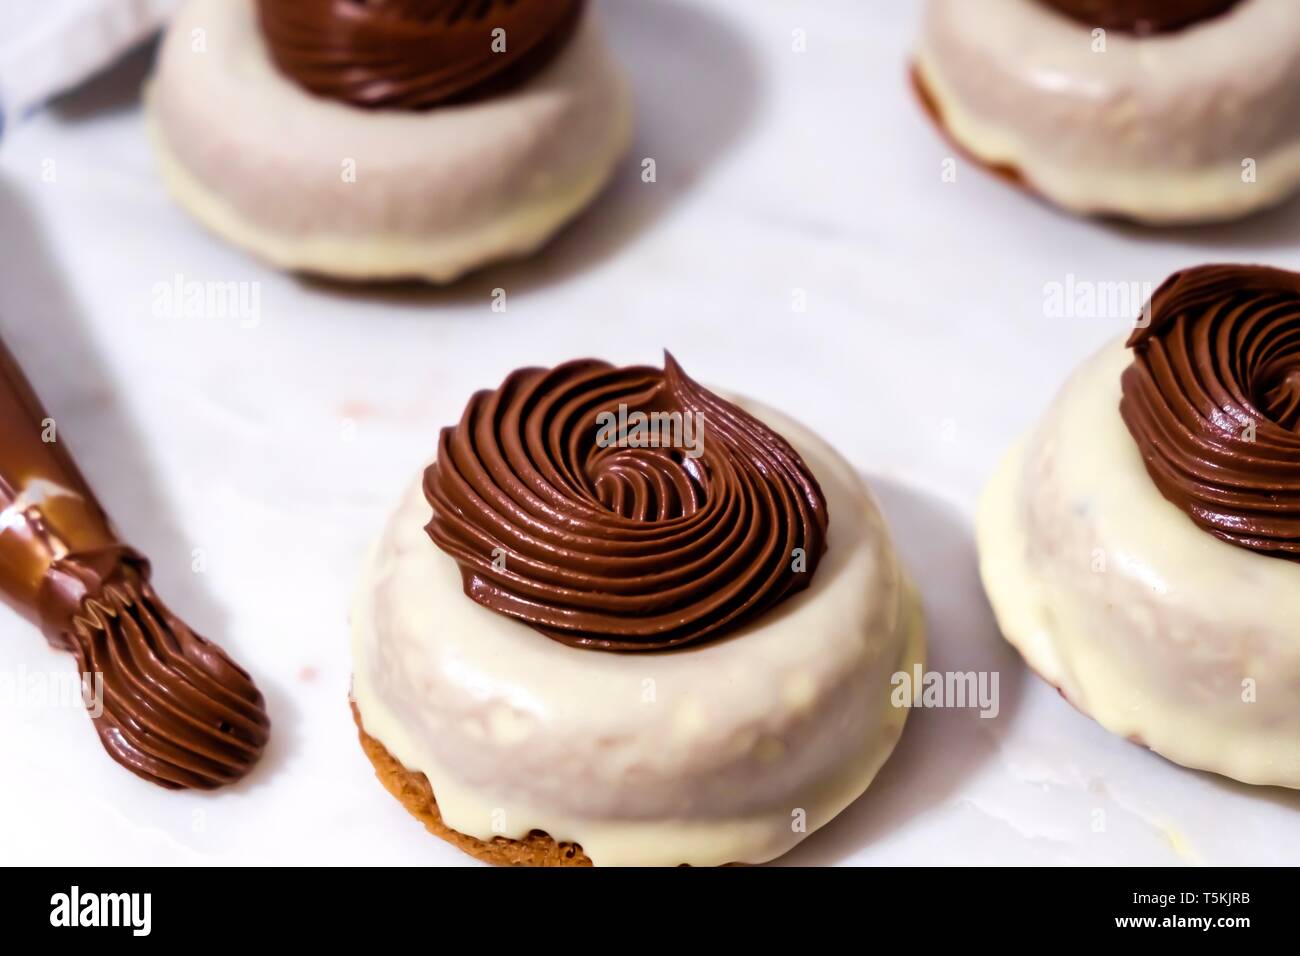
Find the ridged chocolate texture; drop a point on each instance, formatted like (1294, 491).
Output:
(174, 709)
(414, 54)
(599, 539)
(1213, 401)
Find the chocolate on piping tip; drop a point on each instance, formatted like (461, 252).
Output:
(176, 710)
(414, 54)
(1143, 17)
(1212, 399)
(618, 548)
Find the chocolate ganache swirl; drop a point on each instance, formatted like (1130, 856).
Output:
(1212, 399)
(414, 54)
(568, 510)
(1142, 16)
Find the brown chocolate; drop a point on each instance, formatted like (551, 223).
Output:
(175, 709)
(414, 54)
(1142, 16)
(1213, 401)
(567, 511)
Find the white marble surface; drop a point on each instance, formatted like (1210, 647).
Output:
(277, 449)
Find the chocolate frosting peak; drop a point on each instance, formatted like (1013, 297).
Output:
(1213, 401)
(168, 705)
(623, 509)
(1142, 16)
(414, 54)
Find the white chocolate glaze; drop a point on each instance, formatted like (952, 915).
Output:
(1154, 129)
(706, 756)
(1157, 629)
(266, 165)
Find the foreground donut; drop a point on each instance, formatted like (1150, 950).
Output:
(403, 170)
(1159, 111)
(750, 589)
(1141, 547)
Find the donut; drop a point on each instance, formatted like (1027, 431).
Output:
(1141, 545)
(386, 140)
(621, 620)
(1162, 112)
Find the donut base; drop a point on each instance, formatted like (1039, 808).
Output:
(930, 105)
(412, 789)
(1007, 172)
(1106, 209)
(383, 260)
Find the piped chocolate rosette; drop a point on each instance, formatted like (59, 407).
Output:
(414, 54)
(619, 538)
(176, 710)
(1213, 401)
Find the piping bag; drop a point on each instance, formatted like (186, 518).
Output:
(168, 705)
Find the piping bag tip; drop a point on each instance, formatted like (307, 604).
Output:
(168, 704)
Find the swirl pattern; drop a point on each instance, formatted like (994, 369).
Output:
(414, 54)
(1212, 399)
(568, 511)
(1142, 16)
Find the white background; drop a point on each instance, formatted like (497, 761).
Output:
(279, 449)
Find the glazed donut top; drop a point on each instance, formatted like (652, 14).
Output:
(1141, 16)
(625, 509)
(414, 54)
(1213, 401)
(168, 705)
